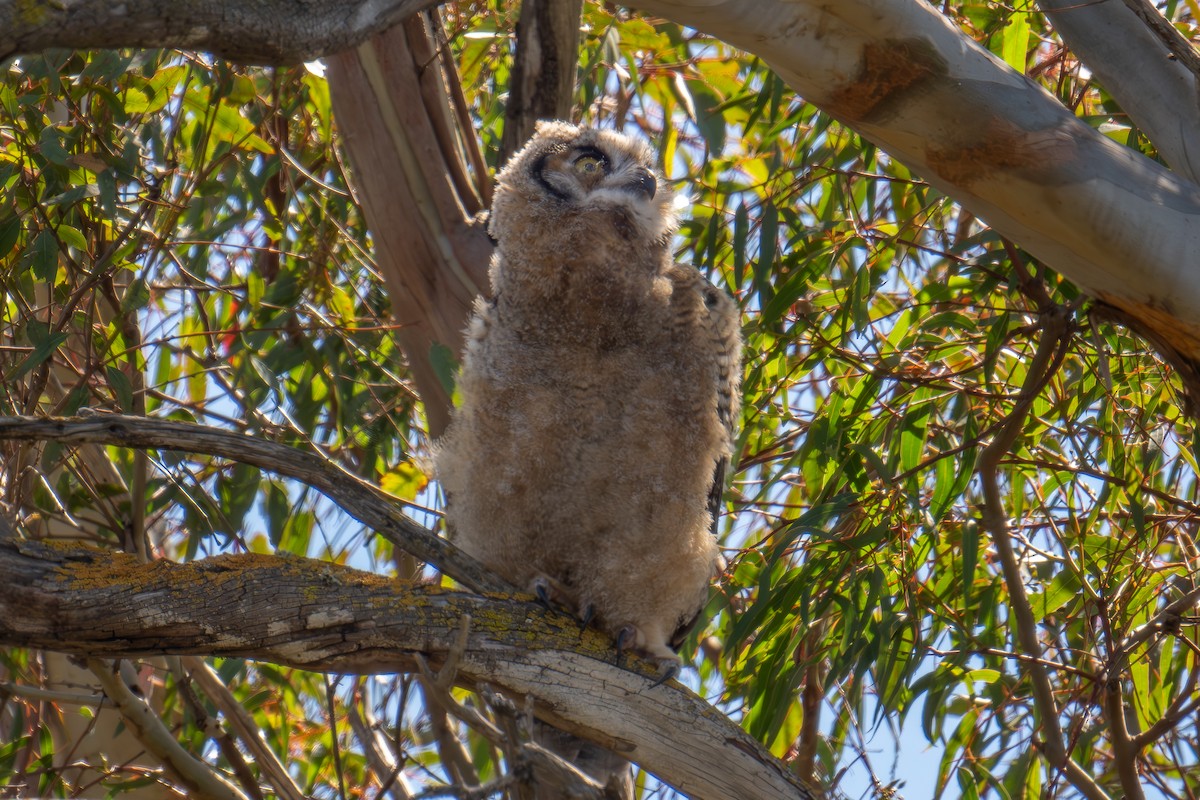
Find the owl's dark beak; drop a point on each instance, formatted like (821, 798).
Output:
(643, 183)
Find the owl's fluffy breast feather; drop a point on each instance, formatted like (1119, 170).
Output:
(598, 386)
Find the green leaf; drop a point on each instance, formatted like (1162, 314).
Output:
(1063, 589)
(1014, 38)
(152, 95)
(50, 144)
(137, 295)
(71, 237)
(43, 257)
(970, 557)
(709, 119)
(121, 386)
(10, 232)
(741, 229)
(445, 365)
(45, 343)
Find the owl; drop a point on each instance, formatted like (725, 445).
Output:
(599, 391)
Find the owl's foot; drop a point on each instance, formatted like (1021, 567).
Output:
(630, 637)
(586, 615)
(553, 594)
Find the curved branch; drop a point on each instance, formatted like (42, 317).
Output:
(1046, 359)
(320, 616)
(1159, 93)
(357, 498)
(262, 32)
(897, 71)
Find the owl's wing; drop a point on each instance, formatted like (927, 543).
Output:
(723, 321)
(724, 329)
(716, 492)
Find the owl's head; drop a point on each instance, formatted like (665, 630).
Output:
(570, 179)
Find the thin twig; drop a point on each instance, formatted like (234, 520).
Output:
(1165, 620)
(378, 752)
(331, 709)
(1185, 703)
(243, 725)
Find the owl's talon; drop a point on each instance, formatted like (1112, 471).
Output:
(552, 595)
(670, 670)
(586, 616)
(625, 639)
(541, 589)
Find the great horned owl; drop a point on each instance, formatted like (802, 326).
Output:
(599, 390)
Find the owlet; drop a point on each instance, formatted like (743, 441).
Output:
(599, 392)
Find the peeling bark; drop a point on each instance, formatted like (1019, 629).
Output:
(421, 180)
(542, 82)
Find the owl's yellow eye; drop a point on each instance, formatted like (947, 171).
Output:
(589, 165)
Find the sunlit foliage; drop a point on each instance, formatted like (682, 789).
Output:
(177, 239)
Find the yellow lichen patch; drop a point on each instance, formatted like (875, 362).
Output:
(90, 568)
(86, 567)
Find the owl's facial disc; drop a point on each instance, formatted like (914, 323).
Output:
(593, 177)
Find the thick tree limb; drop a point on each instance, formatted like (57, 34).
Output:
(316, 615)
(421, 180)
(262, 32)
(897, 71)
(905, 77)
(357, 498)
(1130, 60)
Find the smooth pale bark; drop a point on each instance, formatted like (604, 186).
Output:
(320, 616)
(1133, 65)
(898, 72)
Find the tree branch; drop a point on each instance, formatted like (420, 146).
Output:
(319, 616)
(262, 32)
(401, 109)
(243, 724)
(542, 82)
(898, 72)
(1050, 352)
(357, 498)
(202, 781)
(1165, 620)
(1159, 93)
(1175, 42)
